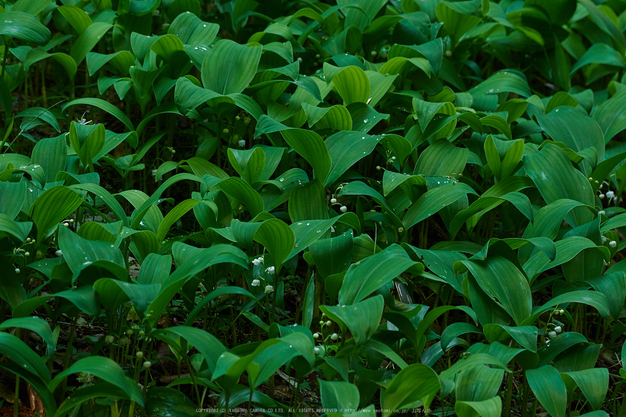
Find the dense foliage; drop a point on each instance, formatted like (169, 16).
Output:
(309, 207)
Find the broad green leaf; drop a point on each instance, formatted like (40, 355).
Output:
(556, 178)
(441, 159)
(433, 201)
(352, 85)
(339, 395)
(19, 353)
(579, 132)
(594, 384)
(229, 67)
(373, 272)
(76, 17)
(549, 389)
(173, 215)
(105, 106)
(88, 40)
(51, 207)
(34, 324)
(207, 344)
(600, 53)
(345, 149)
(609, 117)
(278, 239)
(81, 254)
(23, 26)
(491, 407)
(478, 383)
(415, 382)
(512, 294)
(362, 318)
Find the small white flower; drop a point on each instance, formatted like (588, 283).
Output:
(333, 200)
(610, 194)
(269, 289)
(66, 224)
(604, 239)
(328, 323)
(332, 229)
(242, 143)
(271, 270)
(551, 335)
(26, 253)
(601, 196)
(256, 262)
(316, 350)
(612, 243)
(17, 270)
(605, 263)
(562, 311)
(334, 336)
(256, 283)
(154, 172)
(601, 212)
(558, 329)
(316, 335)
(343, 209)
(58, 253)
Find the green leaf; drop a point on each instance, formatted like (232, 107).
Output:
(51, 207)
(361, 318)
(352, 85)
(173, 215)
(512, 294)
(578, 131)
(373, 272)
(332, 255)
(600, 53)
(441, 159)
(609, 117)
(104, 368)
(105, 106)
(76, 17)
(346, 149)
(549, 389)
(312, 148)
(88, 40)
(24, 26)
(506, 81)
(594, 384)
(433, 201)
(165, 400)
(208, 345)
(555, 177)
(526, 336)
(34, 324)
(415, 382)
(339, 395)
(229, 67)
(23, 356)
(491, 407)
(278, 239)
(478, 383)
(81, 254)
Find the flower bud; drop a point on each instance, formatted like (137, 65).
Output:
(147, 364)
(333, 200)
(316, 335)
(551, 335)
(612, 243)
(139, 355)
(558, 329)
(334, 336)
(343, 209)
